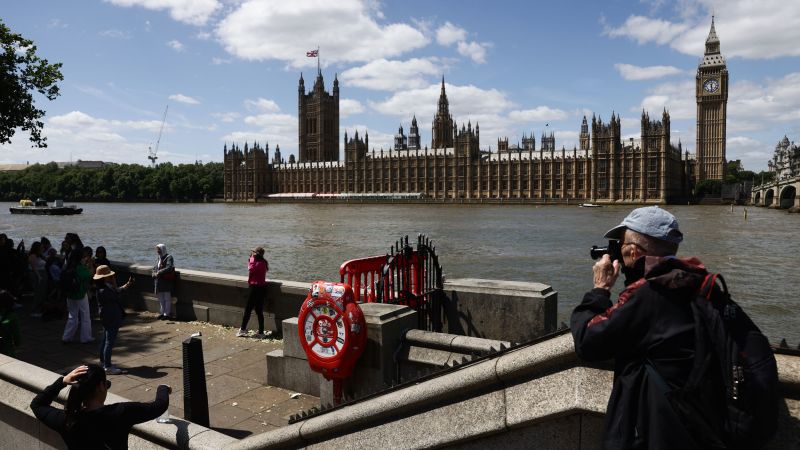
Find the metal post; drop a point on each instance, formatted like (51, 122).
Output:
(195, 396)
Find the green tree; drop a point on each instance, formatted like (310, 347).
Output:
(21, 73)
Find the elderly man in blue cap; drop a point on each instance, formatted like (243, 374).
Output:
(649, 332)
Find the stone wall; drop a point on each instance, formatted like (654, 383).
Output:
(492, 309)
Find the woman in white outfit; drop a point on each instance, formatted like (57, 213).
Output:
(163, 276)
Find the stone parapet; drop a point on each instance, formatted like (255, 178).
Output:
(535, 396)
(512, 311)
(19, 428)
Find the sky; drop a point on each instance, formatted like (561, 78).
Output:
(227, 71)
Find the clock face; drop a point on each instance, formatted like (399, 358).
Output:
(711, 85)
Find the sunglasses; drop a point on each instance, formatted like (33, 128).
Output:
(108, 384)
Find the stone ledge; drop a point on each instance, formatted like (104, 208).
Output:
(24, 380)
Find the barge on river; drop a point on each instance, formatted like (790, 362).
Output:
(41, 208)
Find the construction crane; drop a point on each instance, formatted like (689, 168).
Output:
(152, 153)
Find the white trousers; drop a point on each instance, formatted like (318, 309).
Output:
(165, 300)
(78, 314)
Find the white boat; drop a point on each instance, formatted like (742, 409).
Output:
(589, 205)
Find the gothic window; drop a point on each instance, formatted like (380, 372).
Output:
(652, 164)
(652, 183)
(602, 183)
(602, 166)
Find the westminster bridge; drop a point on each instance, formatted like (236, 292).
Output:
(783, 194)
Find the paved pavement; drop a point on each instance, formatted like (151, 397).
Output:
(150, 352)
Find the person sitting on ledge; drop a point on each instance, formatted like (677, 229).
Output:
(87, 422)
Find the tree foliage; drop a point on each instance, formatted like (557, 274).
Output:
(22, 73)
(115, 183)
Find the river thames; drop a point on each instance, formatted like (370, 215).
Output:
(547, 244)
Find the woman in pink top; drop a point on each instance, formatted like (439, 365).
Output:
(257, 280)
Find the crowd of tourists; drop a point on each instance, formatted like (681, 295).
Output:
(72, 282)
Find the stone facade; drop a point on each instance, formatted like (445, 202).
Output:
(602, 169)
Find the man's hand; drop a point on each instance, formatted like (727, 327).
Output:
(72, 377)
(605, 272)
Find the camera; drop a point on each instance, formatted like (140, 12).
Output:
(613, 249)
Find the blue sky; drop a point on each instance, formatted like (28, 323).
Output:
(228, 69)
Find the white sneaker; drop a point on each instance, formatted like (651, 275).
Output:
(241, 333)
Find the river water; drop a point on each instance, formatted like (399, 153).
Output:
(547, 244)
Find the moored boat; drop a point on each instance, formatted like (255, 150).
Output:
(41, 208)
(589, 205)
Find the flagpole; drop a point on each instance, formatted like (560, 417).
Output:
(318, 69)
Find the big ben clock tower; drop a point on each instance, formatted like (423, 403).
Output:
(711, 90)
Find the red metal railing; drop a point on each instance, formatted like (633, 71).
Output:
(362, 274)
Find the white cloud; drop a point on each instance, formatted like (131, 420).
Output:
(348, 30)
(77, 120)
(464, 101)
(538, 114)
(349, 107)
(176, 45)
(644, 30)
(776, 100)
(226, 117)
(474, 50)
(77, 135)
(385, 75)
(115, 34)
(262, 105)
(631, 72)
(448, 34)
(180, 98)
(748, 29)
(677, 97)
(219, 61)
(273, 128)
(56, 23)
(193, 12)
(751, 152)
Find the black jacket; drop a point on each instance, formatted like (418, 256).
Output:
(102, 428)
(111, 310)
(651, 323)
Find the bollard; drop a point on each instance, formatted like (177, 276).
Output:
(195, 396)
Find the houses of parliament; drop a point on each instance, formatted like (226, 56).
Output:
(603, 168)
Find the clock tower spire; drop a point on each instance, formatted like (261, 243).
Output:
(711, 91)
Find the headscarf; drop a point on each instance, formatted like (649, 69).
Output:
(163, 249)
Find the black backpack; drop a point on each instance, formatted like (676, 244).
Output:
(731, 398)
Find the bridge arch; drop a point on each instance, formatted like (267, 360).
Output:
(757, 198)
(787, 197)
(769, 196)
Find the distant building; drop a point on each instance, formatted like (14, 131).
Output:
(785, 162)
(13, 167)
(603, 168)
(83, 164)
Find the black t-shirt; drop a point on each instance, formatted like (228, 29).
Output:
(102, 428)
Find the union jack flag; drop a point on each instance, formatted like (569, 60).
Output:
(312, 53)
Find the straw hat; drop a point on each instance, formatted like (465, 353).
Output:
(103, 271)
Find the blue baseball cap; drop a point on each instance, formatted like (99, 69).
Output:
(651, 221)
